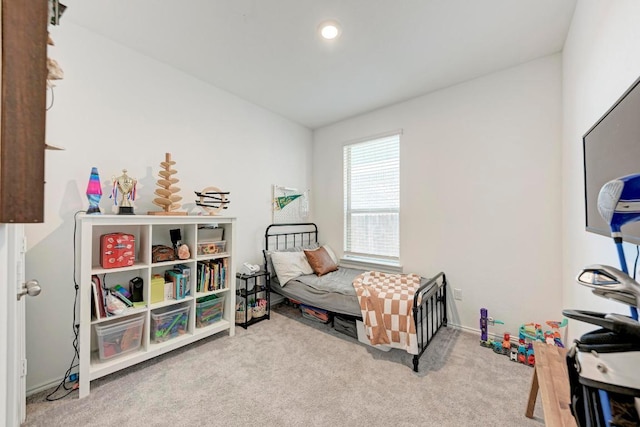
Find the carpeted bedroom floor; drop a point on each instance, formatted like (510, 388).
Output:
(290, 371)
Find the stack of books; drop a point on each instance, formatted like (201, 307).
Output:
(212, 275)
(179, 276)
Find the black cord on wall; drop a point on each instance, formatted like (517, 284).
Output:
(76, 329)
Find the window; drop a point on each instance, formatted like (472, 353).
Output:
(372, 199)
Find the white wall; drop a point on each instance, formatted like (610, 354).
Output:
(600, 61)
(118, 109)
(480, 190)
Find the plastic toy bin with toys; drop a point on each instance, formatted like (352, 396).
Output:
(209, 310)
(169, 322)
(119, 337)
(211, 247)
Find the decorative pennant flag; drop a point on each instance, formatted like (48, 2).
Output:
(283, 201)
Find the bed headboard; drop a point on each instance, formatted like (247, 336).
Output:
(278, 237)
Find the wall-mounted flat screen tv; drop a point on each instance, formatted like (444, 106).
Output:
(611, 150)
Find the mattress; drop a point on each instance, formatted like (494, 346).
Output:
(333, 292)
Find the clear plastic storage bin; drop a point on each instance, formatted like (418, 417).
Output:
(211, 247)
(208, 312)
(169, 322)
(119, 337)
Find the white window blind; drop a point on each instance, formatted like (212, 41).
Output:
(372, 199)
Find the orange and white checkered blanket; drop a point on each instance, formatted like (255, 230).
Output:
(386, 302)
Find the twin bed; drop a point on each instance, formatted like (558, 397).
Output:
(335, 292)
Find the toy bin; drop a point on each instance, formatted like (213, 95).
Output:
(169, 322)
(117, 338)
(211, 247)
(209, 311)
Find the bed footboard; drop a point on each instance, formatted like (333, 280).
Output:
(429, 312)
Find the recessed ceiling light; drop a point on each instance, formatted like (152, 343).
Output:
(330, 30)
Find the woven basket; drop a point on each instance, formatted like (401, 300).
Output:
(259, 311)
(240, 316)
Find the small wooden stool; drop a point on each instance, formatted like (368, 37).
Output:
(550, 376)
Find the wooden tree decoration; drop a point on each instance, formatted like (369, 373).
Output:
(167, 190)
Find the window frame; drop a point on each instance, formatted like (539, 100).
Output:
(360, 258)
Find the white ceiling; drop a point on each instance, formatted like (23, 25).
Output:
(269, 52)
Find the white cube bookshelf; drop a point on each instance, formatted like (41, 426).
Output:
(148, 230)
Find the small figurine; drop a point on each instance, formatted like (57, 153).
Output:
(127, 187)
(522, 351)
(531, 358)
(514, 354)
(555, 332)
(549, 338)
(506, 341)
(183, 252)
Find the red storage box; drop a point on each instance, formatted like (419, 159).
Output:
(117, 250)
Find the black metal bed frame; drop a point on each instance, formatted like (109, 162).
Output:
(429, 302)
(430, 295)
(296, 238)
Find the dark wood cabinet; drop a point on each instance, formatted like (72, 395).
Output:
(23, 110)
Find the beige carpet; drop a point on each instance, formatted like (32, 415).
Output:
(287, 372)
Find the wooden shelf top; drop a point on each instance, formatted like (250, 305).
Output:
(551, 378)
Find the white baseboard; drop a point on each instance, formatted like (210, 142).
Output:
(43, 387)
(513, 338)
(477, 332)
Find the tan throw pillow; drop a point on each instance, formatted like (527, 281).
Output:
(320, 261)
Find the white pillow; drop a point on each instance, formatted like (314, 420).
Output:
(289, 265)
(267, 254)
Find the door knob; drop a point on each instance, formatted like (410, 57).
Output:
(31, 288)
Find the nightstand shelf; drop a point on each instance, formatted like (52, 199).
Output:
(253, 294)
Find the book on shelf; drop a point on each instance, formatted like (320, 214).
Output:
(121, 297)
(95, 308)
(97, 298)
(123, 291)
(199, 277)
(186, 272)
(225, 269)
(168, 291)
(179, 283)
